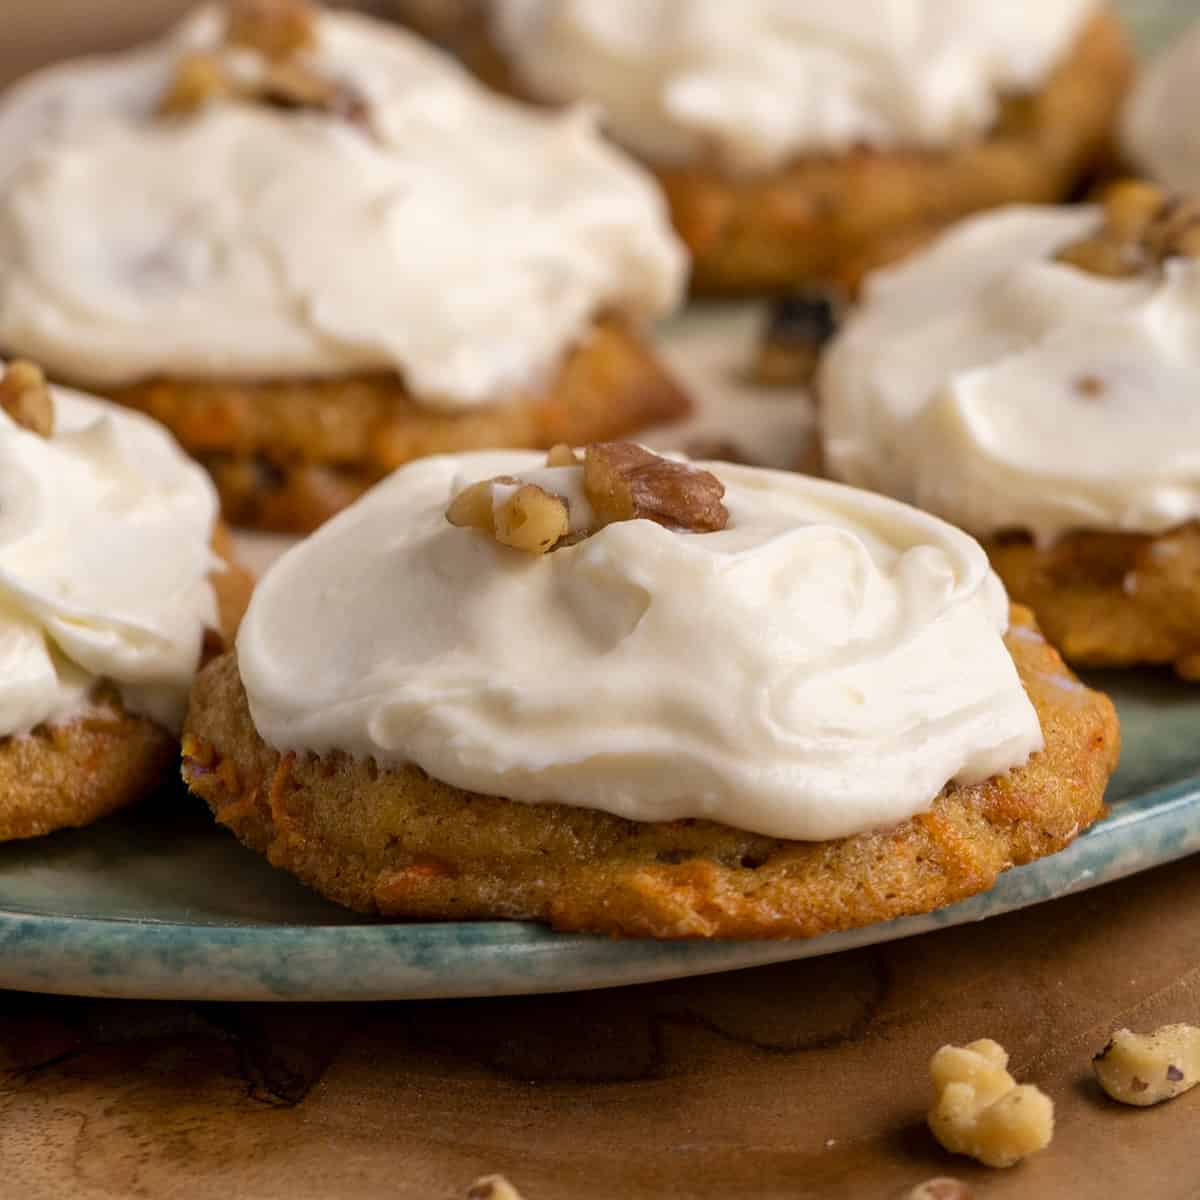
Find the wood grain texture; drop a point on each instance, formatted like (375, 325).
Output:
(799, 1081)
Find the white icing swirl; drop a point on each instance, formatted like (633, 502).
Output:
(753, 83)
(1159, 128)
(821, 667)
(462, 239)
(104, 565)
(985, 382)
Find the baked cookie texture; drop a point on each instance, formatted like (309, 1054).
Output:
(400, 844)
(287, 455)
(1112, 599)
(68, 775)
(837, 218)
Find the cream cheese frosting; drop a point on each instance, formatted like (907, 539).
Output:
(752, 83)
(104, 565)
(822, 666)
(1159, 128)
(1003, 390)
(461, 239)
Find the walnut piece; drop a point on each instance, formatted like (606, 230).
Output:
(1145, 1070)
(624, 482)
(277, 29)
(562, 456)
(981, 1111)
(530, 518)
(493, 1187)
(26, 398)
(1144, 226)
(941, 1188)
(199, 79)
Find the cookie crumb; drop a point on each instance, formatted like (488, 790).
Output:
(25, 397)
(981, 1111)
(492, 1187)
(1148, 1069)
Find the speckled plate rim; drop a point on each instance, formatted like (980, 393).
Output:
(147, 959)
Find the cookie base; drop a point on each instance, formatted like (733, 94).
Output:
(400, 844)
(1112, 599)
(831, 219)
(287, 455)
(835, 219)
(71, 774)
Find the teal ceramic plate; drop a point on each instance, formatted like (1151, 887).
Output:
(162, 905)
(166, 906)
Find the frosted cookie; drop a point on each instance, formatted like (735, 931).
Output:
(315, 248)
(641, 696)
(112, 581)
(800, 141)
(1032, 378)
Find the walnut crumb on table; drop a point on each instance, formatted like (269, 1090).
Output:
(1145, 1070)
(982, 1111)
(942, 1188)
(492, 1187)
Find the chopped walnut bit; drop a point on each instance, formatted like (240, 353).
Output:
(624, 482)
(292, 85)
(493, 1187)
(199, 79)
(26, 398)
(981, 1111)
(942, 1188)
(1146, 1070)
(562, 456)
(1130, 206)
(1175, 232)
(1143, 228)
(474, 508)
(277, 29)
(531, 519)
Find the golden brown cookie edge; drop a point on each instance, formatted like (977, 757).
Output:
(399, 844)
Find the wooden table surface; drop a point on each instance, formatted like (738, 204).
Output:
(797, 1081)
(790, 1082)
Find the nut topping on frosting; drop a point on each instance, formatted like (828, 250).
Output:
(1144, 226)
(530, 519)
(625, 482)
(277, 29)
(621, 482)
(26, 398)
